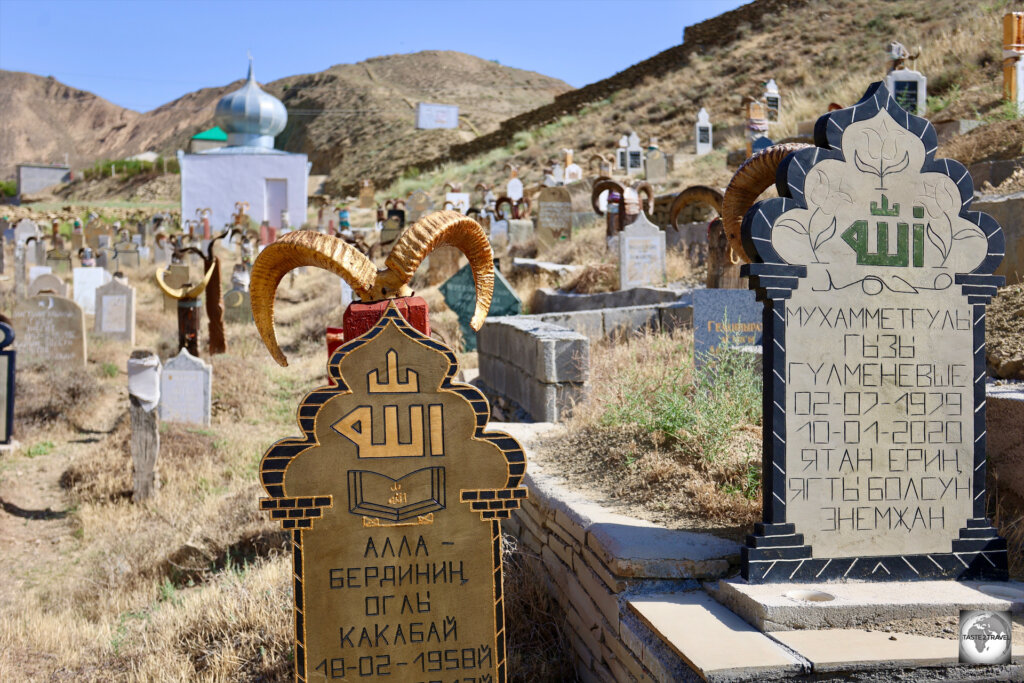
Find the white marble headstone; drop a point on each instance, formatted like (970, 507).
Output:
(186, 385)
(85, 280)
(641, 254)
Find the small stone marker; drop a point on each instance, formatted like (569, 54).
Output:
(521, 231)
(85, 280)
(772, 101)
(417, 206)
(237, 306)
(7, 357)
(641, 254)
(703, 132)
(460, 294)
(143, 397)
(366, 191)
(51, 329)
(874, 276)
(186, 385)
(25, 229)
(393, 498)
(37, 272)
(115, 311)
(48, 283)
(128, 254)
(725, 317)
(634, 154)
(59, 260)
(908, 87)
(657, 166)
(554, 216)
(459, 201)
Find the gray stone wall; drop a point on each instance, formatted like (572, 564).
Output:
(35, 178)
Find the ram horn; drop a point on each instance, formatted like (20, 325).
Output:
(697, 194)
(648, 189)
(294, 250)
(600, 185)
(520, 213)
(755, 176)
(427, 234)
(184, 292)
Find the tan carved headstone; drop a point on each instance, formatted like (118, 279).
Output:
(554, 216)
(394, 496)
(115, 311)
(50, 329)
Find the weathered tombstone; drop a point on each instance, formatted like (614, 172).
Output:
(444, 262)
(908, 87)
(757, 123)
(59, 259)
(393, 507)
(641, 254)
(772, 100)
(459, 201)
(703, 132)
(418, 205)
(460, 294)
(657, 166)
(51, 329)
(237, 308)
(143, 396)
(573, 172)
(634, 155)
(176, 275)
(115, 311)
(127, 253)
(7, 357)
(25, 229)
(725, 318)
(97, 235)
(37, 271)
(521, 231)
(20, 270)
(186, 385)
(48, 283)
(366, 191)
(84, 283)
(554, 216)
(162, 252)
(874, 276)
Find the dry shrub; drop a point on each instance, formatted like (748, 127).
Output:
(538, 646)
(444, 325)
(47, 394)
(594, 278)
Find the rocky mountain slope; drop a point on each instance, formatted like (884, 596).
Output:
(352, 119)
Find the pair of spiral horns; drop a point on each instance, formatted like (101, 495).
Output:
(308, 248)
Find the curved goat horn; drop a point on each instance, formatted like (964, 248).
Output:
(755, 176)
(427, 234)
(600, 186)
(293, 250)
(697, 194)
(184, 292)
(646, 188)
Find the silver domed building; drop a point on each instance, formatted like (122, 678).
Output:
(248, 169)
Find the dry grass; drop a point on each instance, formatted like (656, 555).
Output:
(680, 449)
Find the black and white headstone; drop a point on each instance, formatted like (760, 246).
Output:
(874, 274)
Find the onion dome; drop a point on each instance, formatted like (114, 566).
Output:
(251, 117)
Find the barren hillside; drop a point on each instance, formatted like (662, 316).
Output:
(818, 51)
(343, 117)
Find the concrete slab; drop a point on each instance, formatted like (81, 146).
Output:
(853, 649)
(634, 550)
(713, 641)
(788, 606)
(526, 433)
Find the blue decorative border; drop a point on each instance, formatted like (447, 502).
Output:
(776, 552)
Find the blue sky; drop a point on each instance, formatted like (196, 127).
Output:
(142, 53)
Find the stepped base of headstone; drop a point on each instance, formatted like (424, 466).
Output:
(775, 553)
(858, 604)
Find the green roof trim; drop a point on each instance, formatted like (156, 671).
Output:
(214, 133)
